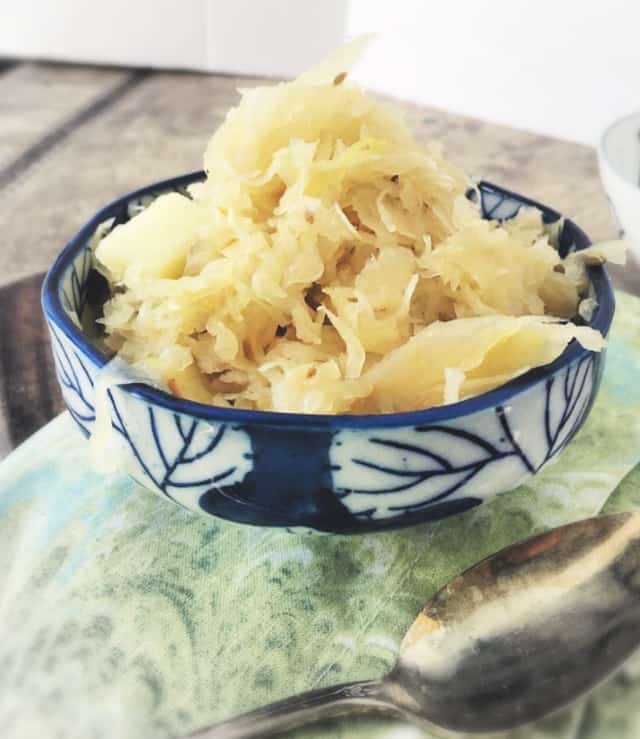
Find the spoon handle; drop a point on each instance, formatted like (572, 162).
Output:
(304, 708)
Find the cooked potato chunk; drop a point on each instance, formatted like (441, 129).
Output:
(155, 243)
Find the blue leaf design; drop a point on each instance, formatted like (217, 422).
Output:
(498, 206)
(75, 380)
(416, 464)
(567, 401)
(74, 288)
(401, 471)
(178, 453)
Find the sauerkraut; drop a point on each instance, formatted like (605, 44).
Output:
(330, 263)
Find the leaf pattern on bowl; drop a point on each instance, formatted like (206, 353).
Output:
(188, 456)
(329, 478)
(397, 471)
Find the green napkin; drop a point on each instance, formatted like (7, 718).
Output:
(124, 617)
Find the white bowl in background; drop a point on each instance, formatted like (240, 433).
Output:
(619, 161)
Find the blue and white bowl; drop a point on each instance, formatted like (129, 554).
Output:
(342, 474)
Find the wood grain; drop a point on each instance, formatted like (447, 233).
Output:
(36, 98)
(157, 130)
(73, 138)
(29, 394)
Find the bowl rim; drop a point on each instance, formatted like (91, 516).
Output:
(603, 152)
(55, 313)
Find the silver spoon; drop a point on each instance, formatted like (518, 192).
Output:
(515, 637)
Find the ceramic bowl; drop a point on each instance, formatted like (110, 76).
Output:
(341, 474)
(619, 160)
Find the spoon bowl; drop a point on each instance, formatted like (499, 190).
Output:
(516, 637)
(526, 631)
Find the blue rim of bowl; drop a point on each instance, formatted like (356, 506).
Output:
(54, 312)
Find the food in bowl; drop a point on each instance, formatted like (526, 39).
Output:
(331, 264)
(337, 472)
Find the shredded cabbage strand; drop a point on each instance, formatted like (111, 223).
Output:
(331, 263)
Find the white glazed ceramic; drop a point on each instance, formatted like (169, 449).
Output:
(619, 160)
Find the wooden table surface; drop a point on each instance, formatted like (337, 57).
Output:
(72, 138)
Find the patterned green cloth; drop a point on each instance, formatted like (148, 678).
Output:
(123, 616)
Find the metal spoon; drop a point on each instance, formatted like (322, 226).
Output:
(514, 638)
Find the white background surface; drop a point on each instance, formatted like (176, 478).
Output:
(269, 37)
(562, 67)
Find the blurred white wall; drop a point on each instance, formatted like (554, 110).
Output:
(561, 67)
(268, 37)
